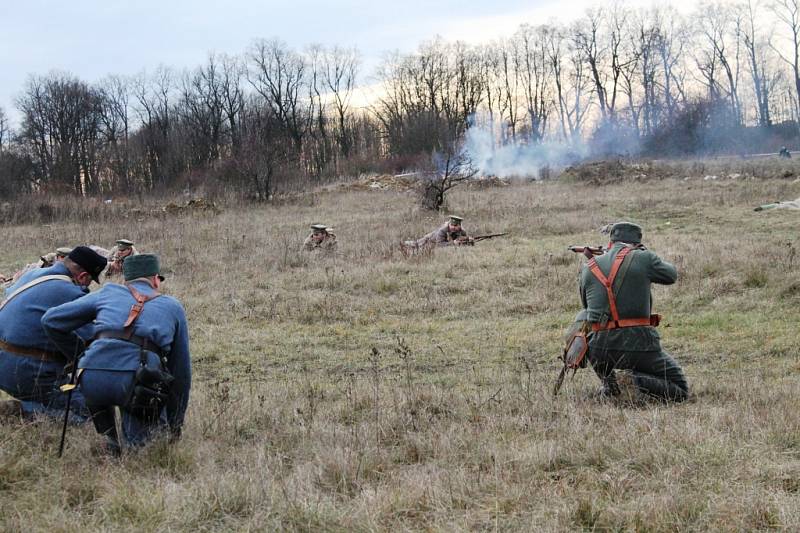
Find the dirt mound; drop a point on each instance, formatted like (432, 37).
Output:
(195, 205)
(410, 181)
(607, 171)
(383, 182)
(487, 182)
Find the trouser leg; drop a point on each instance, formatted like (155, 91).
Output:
(105, 422)
(603, 365)
(36, 384)
(660, 376)
(139, 428)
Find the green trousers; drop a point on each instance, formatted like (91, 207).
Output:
(655, 373)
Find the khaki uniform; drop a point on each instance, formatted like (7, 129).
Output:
(441, 237)
(328, 243)
(115, 261)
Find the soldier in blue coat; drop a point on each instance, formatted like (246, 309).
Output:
(31, 367)
(139, 334)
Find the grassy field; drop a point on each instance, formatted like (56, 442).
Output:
(369, 391)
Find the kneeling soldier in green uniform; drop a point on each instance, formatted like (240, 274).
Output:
(615, 291)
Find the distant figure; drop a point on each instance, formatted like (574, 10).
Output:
(790, 204)
(124, 248)
(784, 153)
(451, 233)
(45, 261)
(320, 238)
(62, 252)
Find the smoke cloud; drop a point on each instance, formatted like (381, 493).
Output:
(525, 160)
(530, 159)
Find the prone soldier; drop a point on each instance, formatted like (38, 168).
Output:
(451, 233)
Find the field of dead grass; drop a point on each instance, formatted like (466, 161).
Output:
(369, 391)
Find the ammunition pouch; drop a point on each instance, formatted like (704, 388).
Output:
(575, 351)
(148, 392)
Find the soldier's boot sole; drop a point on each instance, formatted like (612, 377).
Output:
(629, 393)
(10, 409)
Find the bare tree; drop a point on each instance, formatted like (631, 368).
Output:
(232, 97)
(154, 96)
(116, 120)
(535, 74)
(61, 125)
(507, 73)
(4, 129)
(600, 38)
(572, 86)
(278, 74)
(671, 36)
(756, 46)
(788, 14)
(719, 27)
(339, 72)
(452, 167)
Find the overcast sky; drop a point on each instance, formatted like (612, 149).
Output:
(93, 38)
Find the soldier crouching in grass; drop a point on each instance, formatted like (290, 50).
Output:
(320, 238)
(32, 368)
(139, 359)
(122, 249)
(615, 291)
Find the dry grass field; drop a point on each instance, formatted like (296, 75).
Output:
(369, 391)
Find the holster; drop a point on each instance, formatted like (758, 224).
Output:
(148, 392)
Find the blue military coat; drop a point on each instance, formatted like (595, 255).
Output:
(162, 321)
(20, 320)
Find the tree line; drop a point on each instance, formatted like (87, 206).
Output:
(617, 79)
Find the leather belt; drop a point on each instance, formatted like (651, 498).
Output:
(142, 342)
(652, 320)
(35, 353)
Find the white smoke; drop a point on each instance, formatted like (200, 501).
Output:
(528, 160)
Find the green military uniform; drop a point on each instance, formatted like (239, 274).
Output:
(636, 348)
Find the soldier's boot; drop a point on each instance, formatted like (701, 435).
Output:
(628, 390)
(105, 422)
(10, 409)
(610, 387)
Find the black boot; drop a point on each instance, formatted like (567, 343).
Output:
(610, 386)
(105, 422)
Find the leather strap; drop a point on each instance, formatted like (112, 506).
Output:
(142, 342)
(136, 309)
(35, 353)
(33, 283)
(608, 282)
(652, 320)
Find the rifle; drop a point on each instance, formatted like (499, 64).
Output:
(470, 241)
(588, 251)
(480, 238)
(68, 388)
